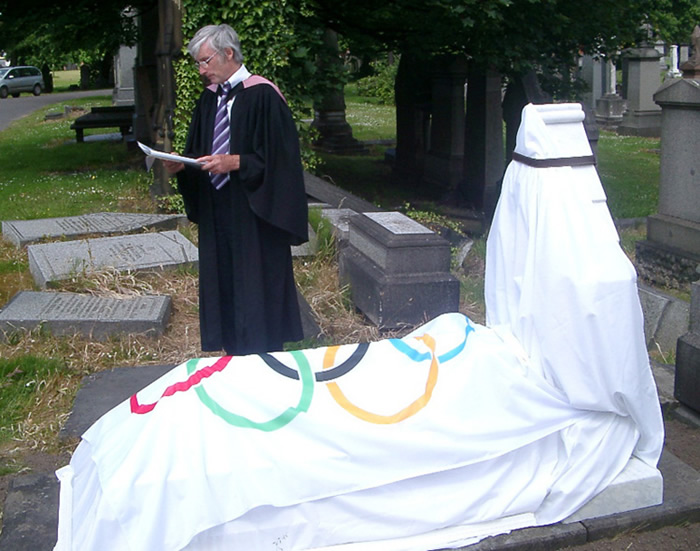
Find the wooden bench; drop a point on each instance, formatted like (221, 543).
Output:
(119, 116)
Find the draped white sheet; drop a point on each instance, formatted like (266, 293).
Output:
(454, 433)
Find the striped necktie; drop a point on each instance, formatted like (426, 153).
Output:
(220, 142)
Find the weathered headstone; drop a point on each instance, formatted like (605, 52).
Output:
(398, 270)
(96, 317)
(50, 262)
(670, 255)
(643, 116)
(687, 387)
(339, 219)
(24, 232)
(610, 107)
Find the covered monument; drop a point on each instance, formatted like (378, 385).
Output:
(451, 434)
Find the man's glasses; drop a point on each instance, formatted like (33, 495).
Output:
(205, 63)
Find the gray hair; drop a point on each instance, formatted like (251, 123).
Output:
(219, 38)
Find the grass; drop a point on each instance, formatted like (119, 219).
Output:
(629, 170)
(46, 174)
(66, 80)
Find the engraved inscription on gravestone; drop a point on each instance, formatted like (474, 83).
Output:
(98, 317)
(56, 261)
(24, 232)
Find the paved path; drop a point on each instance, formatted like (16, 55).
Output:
(12, 109)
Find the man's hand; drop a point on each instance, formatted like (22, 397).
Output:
(172, 166)
(220, 164)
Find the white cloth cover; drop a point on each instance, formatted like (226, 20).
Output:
(449, 435)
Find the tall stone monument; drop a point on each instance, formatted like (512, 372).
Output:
(642, 79)
(671, 253)
(610, 107)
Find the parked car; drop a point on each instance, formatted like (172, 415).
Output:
(14, 80)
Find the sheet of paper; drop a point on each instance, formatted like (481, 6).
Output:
(168, 156)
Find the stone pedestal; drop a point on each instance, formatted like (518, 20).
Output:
(643, 116)
(687, 387)
(398, 270)
(609, 110)
(672, 247)
(335, 134)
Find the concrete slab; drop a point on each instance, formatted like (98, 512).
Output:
(96, 317)
(49, 262)
(25, 232)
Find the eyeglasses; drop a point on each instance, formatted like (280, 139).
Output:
(205, 63)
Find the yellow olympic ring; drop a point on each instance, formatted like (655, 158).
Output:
(408, 411)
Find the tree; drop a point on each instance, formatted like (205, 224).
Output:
(36, 31)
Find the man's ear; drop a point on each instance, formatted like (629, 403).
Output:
(228, 53)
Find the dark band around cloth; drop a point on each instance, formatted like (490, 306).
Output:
(557, 162)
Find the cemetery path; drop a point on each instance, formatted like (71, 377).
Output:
(16, 108)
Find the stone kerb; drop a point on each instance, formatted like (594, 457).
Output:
(398, 270)
(25, 232)
(91, 316)
(51, 262)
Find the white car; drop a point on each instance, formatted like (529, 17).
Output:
(14, 80)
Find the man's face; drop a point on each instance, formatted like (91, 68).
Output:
(220, 65)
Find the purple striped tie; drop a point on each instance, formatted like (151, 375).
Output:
(219, 144)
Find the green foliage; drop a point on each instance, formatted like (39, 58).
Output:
(380, 85)
(20, 379)
(324, 234)
(171, 204)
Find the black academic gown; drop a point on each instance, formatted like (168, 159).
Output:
(247, 296)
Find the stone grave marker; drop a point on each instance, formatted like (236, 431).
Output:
(340, 220)
(25, 232)
(96, 317)
(398, 270)
(687, 383)
(50, 262)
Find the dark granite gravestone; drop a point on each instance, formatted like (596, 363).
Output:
(24, 232)
(398, 270)
(50, 262)
(97, 317)
(687, 387)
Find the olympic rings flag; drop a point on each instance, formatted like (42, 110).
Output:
(453, 433)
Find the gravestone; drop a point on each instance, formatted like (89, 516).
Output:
(610, 107)
(687, 384)
(339, 219)
(24, 232)
(91, 316)
(643, 116)
(123, 93)
(670, 255)
(398, 270)
(50, 262)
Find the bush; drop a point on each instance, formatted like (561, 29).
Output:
(381, 84)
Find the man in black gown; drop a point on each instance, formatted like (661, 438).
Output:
(247, 295)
